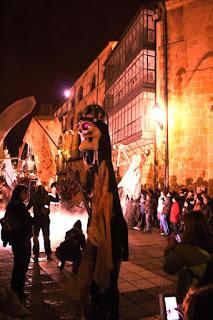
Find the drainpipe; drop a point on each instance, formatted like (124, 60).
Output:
(97, 80)
(155, 132)
(165, 75)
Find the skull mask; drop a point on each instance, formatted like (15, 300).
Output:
(90, 133)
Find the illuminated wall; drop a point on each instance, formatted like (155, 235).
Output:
(190, 90)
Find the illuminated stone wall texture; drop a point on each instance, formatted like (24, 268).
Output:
(190, 91)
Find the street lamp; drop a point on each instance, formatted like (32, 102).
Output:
(67, 93)
(157, 115)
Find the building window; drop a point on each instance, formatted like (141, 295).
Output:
(71, 123)
(131, 119)
(80, 94)
(149, 27)
(141, 71)
(73, 103)
(93, 83)
(64, 124)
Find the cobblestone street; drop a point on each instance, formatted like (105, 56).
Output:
(55, 295)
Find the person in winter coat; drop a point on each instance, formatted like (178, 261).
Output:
(208, 209)
(175, 214)
(40, 203)
(189, 258)
(21, 223)
(70, 249)
(165, 215)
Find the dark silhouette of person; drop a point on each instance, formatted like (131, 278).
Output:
(70, 249)
(200, 304)
(40, 203)
(21, 232)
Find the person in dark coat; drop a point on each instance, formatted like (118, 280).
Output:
(21, 232)
(70, 249)
(40, 203)
(208, 209)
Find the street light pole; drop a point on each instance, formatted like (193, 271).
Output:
(155, 160)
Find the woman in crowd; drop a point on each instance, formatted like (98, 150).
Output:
(21, 224)
(189, 258)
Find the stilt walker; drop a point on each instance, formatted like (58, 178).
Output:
(107, 242)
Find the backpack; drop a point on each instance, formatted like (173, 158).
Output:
(6, 231)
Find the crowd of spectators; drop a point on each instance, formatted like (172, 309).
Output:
(165, 211)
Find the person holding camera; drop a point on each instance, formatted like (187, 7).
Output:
(189, 259)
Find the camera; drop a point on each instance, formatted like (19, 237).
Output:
(177, 238)
(169, 307)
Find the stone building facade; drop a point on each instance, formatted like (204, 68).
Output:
(135, 78)
(88, 89)
(190, 93)
(130, 95)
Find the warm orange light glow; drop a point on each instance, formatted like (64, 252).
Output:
(158, 115)
(60, 222)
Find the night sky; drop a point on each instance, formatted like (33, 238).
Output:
(46, 45)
